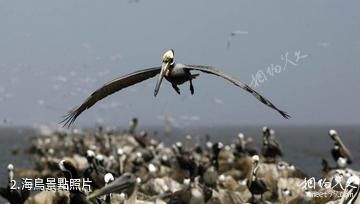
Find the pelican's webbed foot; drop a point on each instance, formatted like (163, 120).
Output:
(176, 88)
(191, 88)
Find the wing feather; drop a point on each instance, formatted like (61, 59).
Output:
(110, 88)
(214, 71)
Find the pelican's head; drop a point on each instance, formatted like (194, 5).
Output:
(133, 122)
(152, 168)
(186, 181)
(62, 165)
(68, 169)
(168, 56)
(255, 159)
(108, 178)
(255, 168)
(167, 62)
(266, 132)
(265, 129)
(90, 154)
(333, 134)
(241, 136)
(10, 167)
(120, 151)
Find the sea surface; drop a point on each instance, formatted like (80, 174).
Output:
(303, 146)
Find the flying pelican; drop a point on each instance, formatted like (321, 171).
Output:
(233, 34)
(175, 73)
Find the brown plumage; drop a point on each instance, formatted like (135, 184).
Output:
(110, 88)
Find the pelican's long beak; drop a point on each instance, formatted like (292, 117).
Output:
(339, 141)
(124, 184)
(164, 67)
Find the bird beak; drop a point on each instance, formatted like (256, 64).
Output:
(11, 177)
(339, 141)
(123, 184)
(164, 67)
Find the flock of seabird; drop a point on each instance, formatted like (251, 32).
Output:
(130, 167)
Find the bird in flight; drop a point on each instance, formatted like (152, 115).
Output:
(175, 73)
(233, 34)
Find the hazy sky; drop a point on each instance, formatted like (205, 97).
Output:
(53, 54)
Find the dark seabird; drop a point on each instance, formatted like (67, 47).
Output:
(70, 172)
(142, 139)
(94, 172)
(175, 73)
(14, 196)
(256, 186)
(216, 149)
(243, 146)
(271, 149)
(133, 125)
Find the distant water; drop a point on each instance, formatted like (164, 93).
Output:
(303, 146)
(11, 139)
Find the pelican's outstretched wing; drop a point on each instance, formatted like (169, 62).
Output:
(212, 70)
(110, 88)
